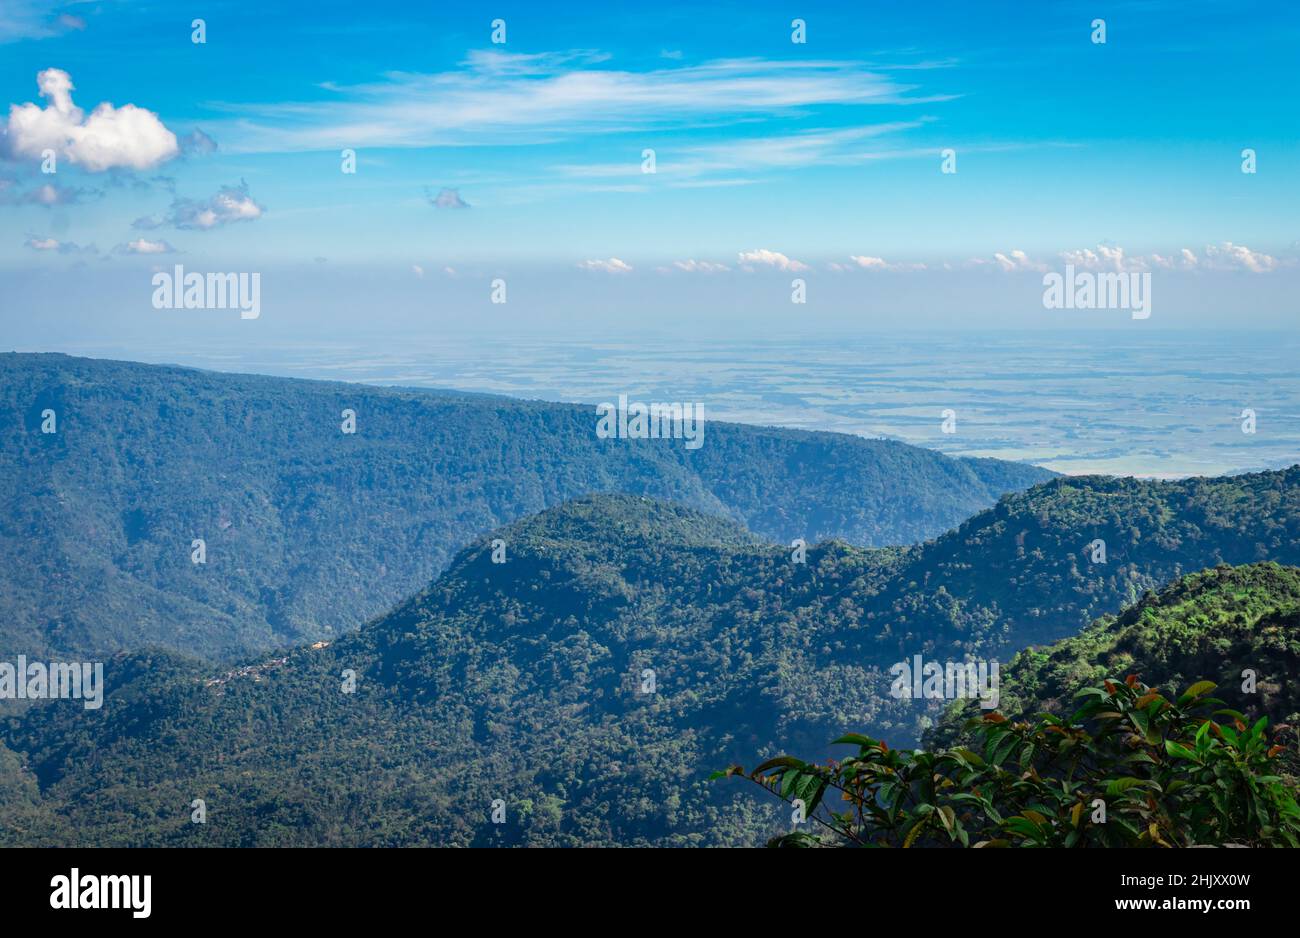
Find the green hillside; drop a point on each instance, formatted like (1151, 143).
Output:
(310, 531)
(525, 682)
(1169, 725)
(1236, 626)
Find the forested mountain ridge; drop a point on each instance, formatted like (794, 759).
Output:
(1236, 626)
(1170, 725)
(622, 650)
(1036, 556)
(308, 531)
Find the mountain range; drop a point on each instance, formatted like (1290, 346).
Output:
(626, 647)
(307, 530)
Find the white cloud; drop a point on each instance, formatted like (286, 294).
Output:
(702, 267)
(417, 270)
(230, 204)
(500, 98)
(1221, 257)
(611, 266)
(110, 138)
(684, 165)
(867, 262)
(1017, 260)
(1229, 256)
(145, 246)
(762, 257)
(1106, 258)
(35, 19)
(53, 245)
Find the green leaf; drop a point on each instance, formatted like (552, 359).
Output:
(1196, 690)
(1121, 785)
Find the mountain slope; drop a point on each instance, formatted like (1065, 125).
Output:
(309, 531)
(1236, 626)
(527, 681)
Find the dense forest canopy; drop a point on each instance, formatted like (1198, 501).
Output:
(308, 531)
(591, 681)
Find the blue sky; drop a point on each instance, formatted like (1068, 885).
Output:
(773, 159)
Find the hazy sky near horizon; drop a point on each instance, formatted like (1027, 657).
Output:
(524, 160)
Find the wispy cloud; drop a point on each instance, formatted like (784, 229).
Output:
(445, 198)
(36, 19)
(818, 147)
(47, 194)
(500, 98)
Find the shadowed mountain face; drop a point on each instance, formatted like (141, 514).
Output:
(308, 530)
(591, 681)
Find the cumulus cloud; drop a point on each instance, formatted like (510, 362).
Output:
(867, 262)
(1221, 257)
(701, 267)
(1017, 260)
(1184, 260)
(1106, 258)
(1229, 256)
(762, 257)
(445, 198)
(111, 137)
(611, 266)
(231, 204)
(53, 245)
(144, 246)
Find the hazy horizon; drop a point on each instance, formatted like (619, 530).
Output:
(1086, 402)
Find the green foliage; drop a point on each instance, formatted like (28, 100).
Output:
(311, 532)
(522, 682)
(1129, 768)
(1228, 624)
